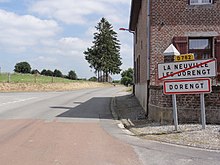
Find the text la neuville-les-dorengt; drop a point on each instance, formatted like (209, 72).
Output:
(191, 72)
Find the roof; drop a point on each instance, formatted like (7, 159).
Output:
(135, 9)
(171, 50)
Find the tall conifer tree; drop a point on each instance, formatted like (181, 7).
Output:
(104, 55)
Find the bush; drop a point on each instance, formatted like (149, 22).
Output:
(93, 79)
(126, 81)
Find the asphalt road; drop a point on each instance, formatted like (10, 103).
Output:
(76, 128)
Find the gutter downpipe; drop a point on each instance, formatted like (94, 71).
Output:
(148, 56)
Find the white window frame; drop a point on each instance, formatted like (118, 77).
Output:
(200, 2)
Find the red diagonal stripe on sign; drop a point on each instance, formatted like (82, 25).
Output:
(183, 70)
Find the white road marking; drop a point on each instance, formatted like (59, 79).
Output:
(121, 126)
(17, 101)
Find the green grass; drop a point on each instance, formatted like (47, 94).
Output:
(30, 78)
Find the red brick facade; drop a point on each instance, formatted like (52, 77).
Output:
(171, 21)
(174, 18)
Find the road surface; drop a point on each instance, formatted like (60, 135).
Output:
(76, 128)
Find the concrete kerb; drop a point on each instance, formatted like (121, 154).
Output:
(167, 136)
(127, 123)
(113, 104)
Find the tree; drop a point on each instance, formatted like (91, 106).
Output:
(43, 72)
(72, 75)
(57, 73)
(22, 67)
(127, 76)
(93, 78)
(35, 71)
(104, 55)
(49, 73)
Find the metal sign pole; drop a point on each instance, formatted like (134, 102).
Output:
(175, 118)
(202, 102)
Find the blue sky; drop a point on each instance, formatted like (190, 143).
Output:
(52, 34)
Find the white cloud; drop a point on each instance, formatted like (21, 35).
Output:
(20, 34)
(72, 46)
(76, 12)
(24, 31)
(44, 59)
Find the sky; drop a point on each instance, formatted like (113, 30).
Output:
(53, 34)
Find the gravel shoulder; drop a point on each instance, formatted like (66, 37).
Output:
(132, 115)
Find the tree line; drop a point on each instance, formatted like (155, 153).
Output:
(25, 68)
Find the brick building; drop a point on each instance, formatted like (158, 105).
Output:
(193, 26)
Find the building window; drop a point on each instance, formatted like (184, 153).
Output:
(200, 2)
(201, 47)
(137, 70)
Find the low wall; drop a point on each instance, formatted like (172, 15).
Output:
(188, 106)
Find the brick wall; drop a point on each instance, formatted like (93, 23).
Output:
(174, 18)
(188, 106)
(169, 19)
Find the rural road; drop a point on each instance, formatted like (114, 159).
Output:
(76, 128)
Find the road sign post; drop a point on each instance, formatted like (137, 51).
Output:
(202, 103)
(179, 76)
(175, 116)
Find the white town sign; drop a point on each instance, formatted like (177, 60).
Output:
(187, 86)
(187, 69)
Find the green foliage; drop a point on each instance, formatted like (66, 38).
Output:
(116, 81)
(47, 72)
(93, 79)
(35, 71)
(104, 55)
(126, 80)
(129, 73)
(57, 73)
(22, 67)
(127, 77)
(72, 75)
(43, 72)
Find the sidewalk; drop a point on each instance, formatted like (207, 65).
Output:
(132, 115)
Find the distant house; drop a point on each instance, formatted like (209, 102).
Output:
(192, 26)
(103, 79)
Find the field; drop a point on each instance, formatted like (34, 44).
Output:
(30, 78)
(27, 82)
